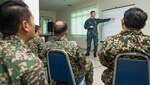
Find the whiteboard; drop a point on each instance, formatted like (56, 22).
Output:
(113, 27)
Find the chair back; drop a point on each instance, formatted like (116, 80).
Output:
(59, 67)
(131, 71)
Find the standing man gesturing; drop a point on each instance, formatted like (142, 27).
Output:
(92, 33)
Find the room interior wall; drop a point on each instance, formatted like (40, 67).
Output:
(65, 15)
(51, 14)
(102, 5)
(143, 4)
(34, 9)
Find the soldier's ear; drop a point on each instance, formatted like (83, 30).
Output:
(123, 24)
(25, 26)
(66, 32)
(122, 21)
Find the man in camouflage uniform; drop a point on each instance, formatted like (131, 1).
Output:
(80, 66)
(92, 33)
(131, 39)
(18, 65)
(36, 44)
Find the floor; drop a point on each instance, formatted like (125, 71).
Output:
(98, 70)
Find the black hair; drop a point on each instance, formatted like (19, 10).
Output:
(37, 27)
(12, 13)
(58, 30)
(135, 18)
(92, 12)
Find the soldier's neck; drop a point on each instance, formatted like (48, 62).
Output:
(92, 17)
(60, 37)
(128, 29)
(22, 37)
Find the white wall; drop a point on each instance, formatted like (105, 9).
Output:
(143, 4)
(51, 14)
(34, 9)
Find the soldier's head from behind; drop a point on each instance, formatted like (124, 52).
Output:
(16, 19)
(38, 30)
(134, 19)
(60, 29)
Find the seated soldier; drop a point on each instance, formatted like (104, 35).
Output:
(36, 44)
(80, 66)
(18, 65)
(131, 39)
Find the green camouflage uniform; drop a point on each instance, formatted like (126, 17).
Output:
(126, 41)
(18, 65)
(78, 62)
(36, 45)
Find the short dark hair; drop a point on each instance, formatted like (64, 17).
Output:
(12, 13)
(92, 12)
(135, 18)
(58, 30)
(37, 27)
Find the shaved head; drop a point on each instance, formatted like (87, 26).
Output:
(59, 28)
(59, 23)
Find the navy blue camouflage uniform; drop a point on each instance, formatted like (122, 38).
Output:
(92, 33)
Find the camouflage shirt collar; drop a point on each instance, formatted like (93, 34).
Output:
(13, 38)
(60, 39)
(133, 32)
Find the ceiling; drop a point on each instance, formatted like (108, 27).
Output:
(55, 5)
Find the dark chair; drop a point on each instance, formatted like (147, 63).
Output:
(59, 68)
(131, 71)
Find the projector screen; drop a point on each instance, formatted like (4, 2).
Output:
(113, 27)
